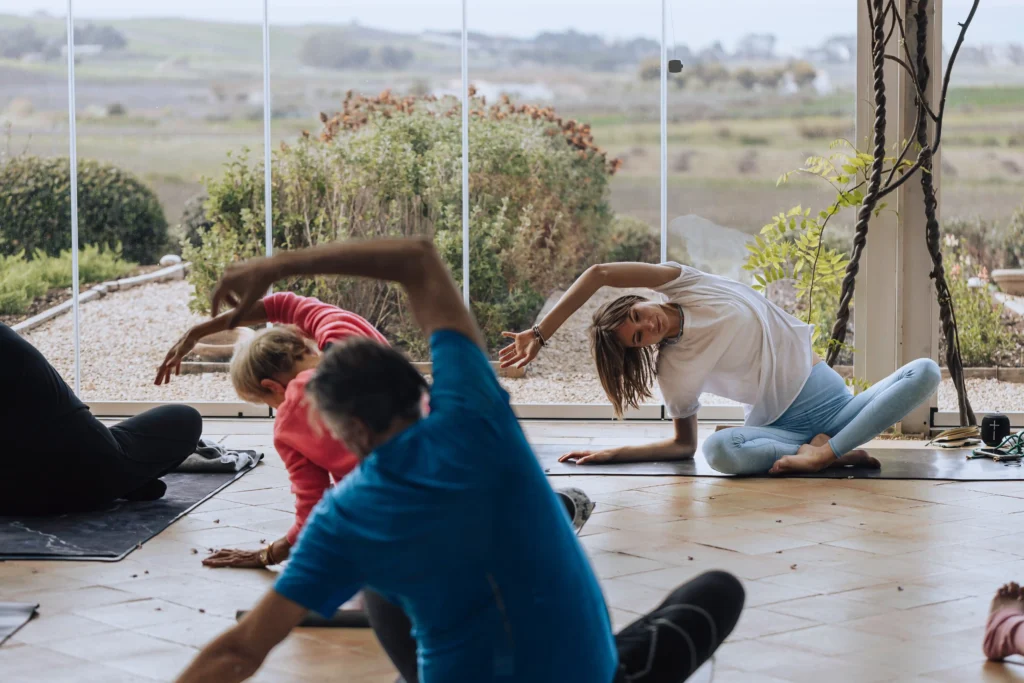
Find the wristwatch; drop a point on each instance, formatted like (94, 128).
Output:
(266, 558)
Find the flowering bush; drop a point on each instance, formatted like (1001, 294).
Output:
(389, 166)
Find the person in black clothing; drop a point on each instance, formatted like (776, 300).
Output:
(58, 457)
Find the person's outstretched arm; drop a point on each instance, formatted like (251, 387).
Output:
(238, 653)
(172, 362)
(413, 263)
(682, 446)
(525, 345)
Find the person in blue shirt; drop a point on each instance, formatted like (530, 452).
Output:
(449, 518)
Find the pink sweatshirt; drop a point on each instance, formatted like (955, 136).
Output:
(313, 457)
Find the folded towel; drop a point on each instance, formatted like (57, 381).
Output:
(212, 457)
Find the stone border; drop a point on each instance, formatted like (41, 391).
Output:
(175, 272)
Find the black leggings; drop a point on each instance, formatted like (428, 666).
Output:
(665, 646)
(57, 457)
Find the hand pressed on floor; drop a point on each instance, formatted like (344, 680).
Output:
(244, 559)
(588, 457)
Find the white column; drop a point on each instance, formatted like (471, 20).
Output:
(895, 312)
(918, 309)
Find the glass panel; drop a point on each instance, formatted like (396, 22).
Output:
(164, 93)
(34, 117)
(763, 88)
(564, 160)
(367, 139)
(981, 200)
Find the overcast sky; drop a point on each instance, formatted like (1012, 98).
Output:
(797, 23)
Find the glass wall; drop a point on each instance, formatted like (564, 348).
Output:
(762, 89)
(982, 200)
(162, 101)
(367, 138)
(35, 221)
(364, 113)
(564, 170)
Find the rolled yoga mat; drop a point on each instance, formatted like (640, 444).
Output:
(343, 618)
(897, 463)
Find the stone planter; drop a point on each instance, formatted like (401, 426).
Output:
(219, 347)
(1011, 281)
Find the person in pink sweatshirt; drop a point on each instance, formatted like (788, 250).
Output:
(273, 368)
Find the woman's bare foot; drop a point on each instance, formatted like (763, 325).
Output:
(808, 459)
(857, 458)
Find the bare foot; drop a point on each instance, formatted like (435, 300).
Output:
(808, 459)
(1008, 595)
(858, 458)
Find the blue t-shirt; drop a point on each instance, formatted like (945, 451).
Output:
(454, 520)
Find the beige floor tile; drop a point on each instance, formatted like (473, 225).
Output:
(829, 640)
(608, 565)
(45, 629)
(824, 579)
(989, 672)
(137, 614)
(758, 622)
(195, 631)
(829, 609)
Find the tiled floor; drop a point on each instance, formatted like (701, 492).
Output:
(847, 580)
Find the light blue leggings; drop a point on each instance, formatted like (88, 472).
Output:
(824, 406)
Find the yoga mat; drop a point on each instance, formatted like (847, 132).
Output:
(897, 463)
(14, 615)
(343, 618)
(111, 533)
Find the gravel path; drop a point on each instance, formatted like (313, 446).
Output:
(125, 335)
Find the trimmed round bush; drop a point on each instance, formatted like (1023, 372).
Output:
(114, 208)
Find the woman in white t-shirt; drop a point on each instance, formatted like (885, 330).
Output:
(712, 334)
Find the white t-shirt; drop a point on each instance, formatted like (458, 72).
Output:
(736, 344)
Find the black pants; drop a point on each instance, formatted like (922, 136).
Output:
(57, 457)
(665, 646)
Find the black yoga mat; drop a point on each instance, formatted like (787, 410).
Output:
(14, 615)
(897, 463)
(109, 534)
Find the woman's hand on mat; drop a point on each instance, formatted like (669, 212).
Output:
(172, 361)
(245, 559)
(524, 348)
(588, 457)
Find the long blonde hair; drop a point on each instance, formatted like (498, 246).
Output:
(627, 372)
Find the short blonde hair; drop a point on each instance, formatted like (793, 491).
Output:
(269, 353)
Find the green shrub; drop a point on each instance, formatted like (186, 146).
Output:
(631, 239)
(114, 208)
(387, 167)
(984, 242)
(23, 280)
(982, 333)
(1013, 240)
